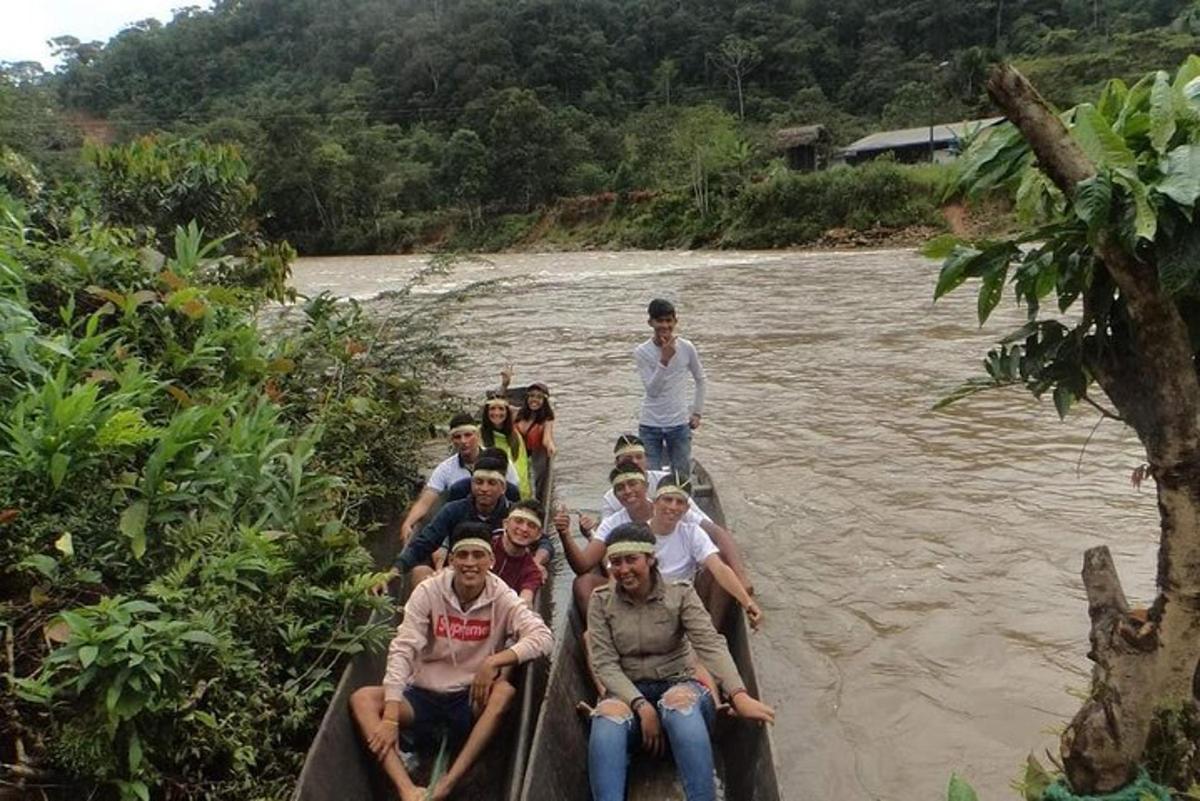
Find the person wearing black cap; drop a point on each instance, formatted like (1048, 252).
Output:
(666, 420)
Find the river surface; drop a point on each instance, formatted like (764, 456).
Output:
(919, 569)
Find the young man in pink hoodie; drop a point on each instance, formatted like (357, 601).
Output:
(443, 666)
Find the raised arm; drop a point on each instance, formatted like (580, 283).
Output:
(651, 369)
(582, 560)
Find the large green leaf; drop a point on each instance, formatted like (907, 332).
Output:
(1104, 147)
(1145, 221)
(991, 290)
(1093, 201)
(959, 790)
(1064, 398)
(1036, 780)
(1162, 112)
(1188, 71)
(133, 526)
(940, 247)
(1112, 99)
(954, 270)
(1181, 175)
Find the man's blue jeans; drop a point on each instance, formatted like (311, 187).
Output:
(687, 733)
(665, 446)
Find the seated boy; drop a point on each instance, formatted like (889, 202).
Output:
(514, 549)
(443, 666)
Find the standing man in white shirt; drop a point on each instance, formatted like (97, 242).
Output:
(667, 420)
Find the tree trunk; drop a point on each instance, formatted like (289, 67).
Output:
(1143, 661)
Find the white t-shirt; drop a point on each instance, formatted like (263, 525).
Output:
(665, 404)
(609, 505)
(680, 554)
(452, 471)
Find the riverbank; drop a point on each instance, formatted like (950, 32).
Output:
(882, 204)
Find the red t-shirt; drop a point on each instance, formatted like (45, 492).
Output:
(518, 572)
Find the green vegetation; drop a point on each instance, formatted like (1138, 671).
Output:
(1109, 237)
(381, 126)
(186, 479)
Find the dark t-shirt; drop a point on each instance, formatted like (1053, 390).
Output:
(518, 572)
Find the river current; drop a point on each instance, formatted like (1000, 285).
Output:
(919, 569)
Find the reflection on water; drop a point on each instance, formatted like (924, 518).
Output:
(919, 569)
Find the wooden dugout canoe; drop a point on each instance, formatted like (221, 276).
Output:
(743, 751)
(339, 767)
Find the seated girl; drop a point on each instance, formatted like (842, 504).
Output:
(643, 630)
(496, 429)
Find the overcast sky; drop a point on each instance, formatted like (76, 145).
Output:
(29, 23)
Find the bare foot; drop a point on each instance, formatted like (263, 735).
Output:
(417, 794)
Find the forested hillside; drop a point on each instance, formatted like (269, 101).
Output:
(375, 124)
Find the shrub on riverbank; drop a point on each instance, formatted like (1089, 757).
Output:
(182, 498)
(797, 208)
(782, 210)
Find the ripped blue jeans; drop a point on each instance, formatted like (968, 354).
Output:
(687, 732)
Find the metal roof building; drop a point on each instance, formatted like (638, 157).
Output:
(914, 144)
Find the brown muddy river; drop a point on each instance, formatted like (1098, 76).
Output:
(919, 569)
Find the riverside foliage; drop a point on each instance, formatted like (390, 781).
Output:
(384, 125)
(183, 495)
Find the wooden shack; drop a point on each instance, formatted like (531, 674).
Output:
(805, 147)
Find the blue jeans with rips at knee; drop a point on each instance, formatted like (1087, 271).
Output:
(668, 446)
(687, 733)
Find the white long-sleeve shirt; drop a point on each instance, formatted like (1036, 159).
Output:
(665, 403)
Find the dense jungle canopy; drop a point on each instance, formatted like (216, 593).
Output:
(364, 120)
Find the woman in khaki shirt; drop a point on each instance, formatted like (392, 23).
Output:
(640, 627)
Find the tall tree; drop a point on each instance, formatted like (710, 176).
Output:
(737, 58)
(1118, 192)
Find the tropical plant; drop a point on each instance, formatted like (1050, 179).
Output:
(1109, 189)
(184, 495)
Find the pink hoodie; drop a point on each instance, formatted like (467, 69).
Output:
(440, 645)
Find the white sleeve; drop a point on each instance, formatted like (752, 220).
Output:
(512, 476)
(698, 375)
(609, 505)
(609, 523)
(700, 544)
(695, 514)
(439, 479)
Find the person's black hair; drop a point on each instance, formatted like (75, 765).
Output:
(631, 532)
(541, 415)
(488, 431)
(628, 439)
(660, 309)
(624, 468)
(461, 419)
(491, 463)
(677, 479)
(467, 529)
(497, 454)
(533, 505)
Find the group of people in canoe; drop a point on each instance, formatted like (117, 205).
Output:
(653, 576)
